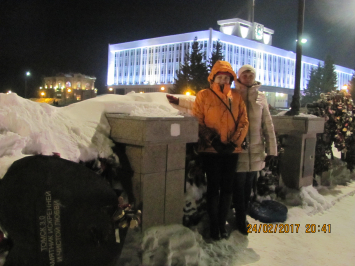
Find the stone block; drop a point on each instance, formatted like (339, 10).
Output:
(134, 154)
(298, 124)
(144, 130)
(176, 156)
(174, 196)
(147, 159)
(154, 158)
(297, 161)
(137, 188)
(153, 194)
(156, 150)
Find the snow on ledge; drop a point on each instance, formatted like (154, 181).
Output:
(79, 132)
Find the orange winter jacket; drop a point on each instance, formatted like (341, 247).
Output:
(214, 115)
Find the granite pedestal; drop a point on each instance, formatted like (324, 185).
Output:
(297, 161)
(156, 149)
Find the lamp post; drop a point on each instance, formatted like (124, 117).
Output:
(28, 73)
(295, 104)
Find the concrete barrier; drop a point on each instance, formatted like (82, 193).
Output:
(156, 149)
(297, 161)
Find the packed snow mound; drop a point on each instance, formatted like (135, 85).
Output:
(179, 245)
(79, 132)
(311, 197)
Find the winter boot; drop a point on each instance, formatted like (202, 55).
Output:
(242, 223)
(212, 203)
(240, 217)
(224, 207)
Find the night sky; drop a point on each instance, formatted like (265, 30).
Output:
(53, 36)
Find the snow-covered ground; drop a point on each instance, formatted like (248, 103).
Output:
(80, 132)
(178, 245)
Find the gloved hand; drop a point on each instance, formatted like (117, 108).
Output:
(230, 147)
(269, 160)
(222, 148)
(172, 99)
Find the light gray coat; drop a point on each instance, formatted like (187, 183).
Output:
(261, 129)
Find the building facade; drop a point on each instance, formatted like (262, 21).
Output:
(151, 64)
(68, 87)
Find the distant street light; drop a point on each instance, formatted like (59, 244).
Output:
(9, 92)
(28, 73)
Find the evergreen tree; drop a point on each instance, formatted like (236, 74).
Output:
(192, 75)
(216, 54)
(314, 89)
(329, 80)
(183, 77)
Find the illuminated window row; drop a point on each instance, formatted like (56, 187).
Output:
(156, 61)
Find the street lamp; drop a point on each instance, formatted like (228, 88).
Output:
(28, 73)
(303, 40)
(295, 104)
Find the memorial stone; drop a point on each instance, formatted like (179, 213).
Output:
(57, 212)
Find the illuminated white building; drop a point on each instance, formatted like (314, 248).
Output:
(150, 65)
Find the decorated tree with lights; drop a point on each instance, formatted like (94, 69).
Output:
(193, 73)
(338, 110)
(352, 87)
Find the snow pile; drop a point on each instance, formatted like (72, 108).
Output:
(178, 245)
(170, 245)
(79, 132)
(311, 197)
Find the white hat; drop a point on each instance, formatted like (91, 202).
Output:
(245, 68)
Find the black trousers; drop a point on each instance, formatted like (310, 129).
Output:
(220, 170)
(241, 193)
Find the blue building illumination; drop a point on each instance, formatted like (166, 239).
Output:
(147, 65)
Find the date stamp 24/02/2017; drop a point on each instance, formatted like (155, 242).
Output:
(288, 228)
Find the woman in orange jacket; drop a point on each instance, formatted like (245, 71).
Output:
(223, 125)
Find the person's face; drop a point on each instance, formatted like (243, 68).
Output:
(222, 79)
(247, 78)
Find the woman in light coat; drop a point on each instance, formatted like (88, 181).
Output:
(261, 134)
